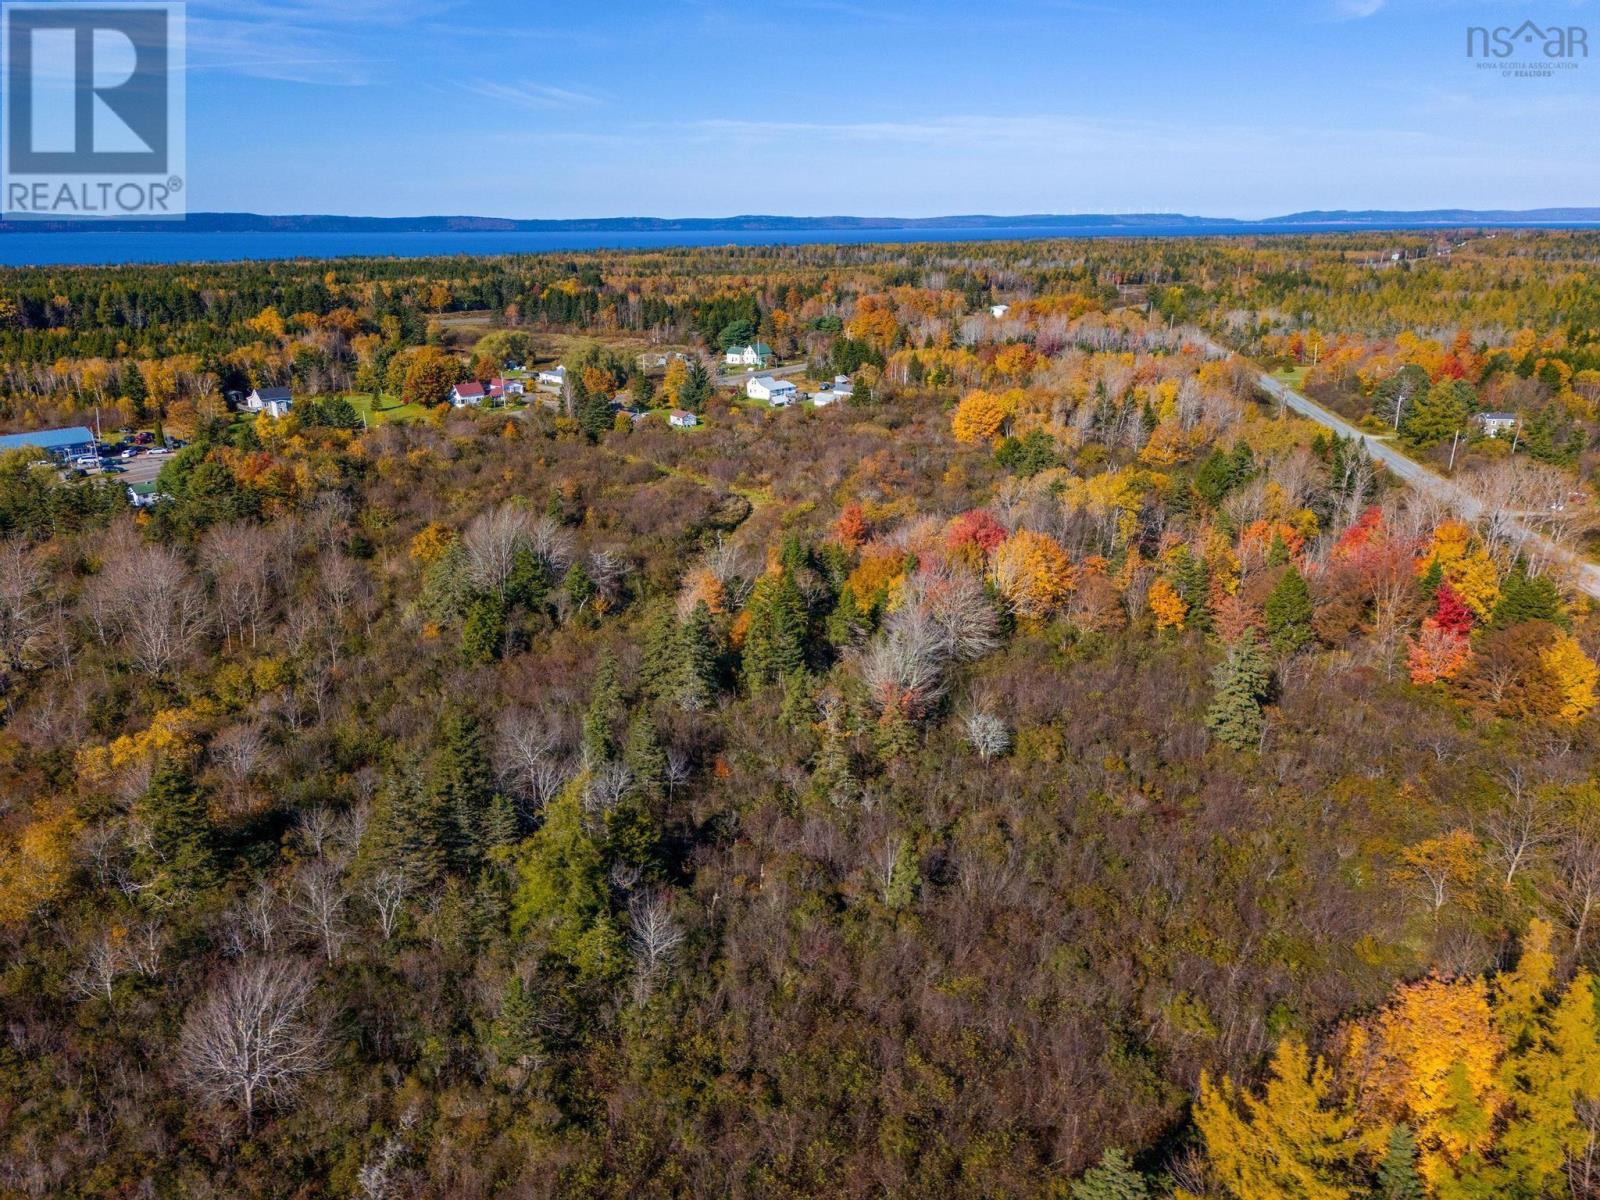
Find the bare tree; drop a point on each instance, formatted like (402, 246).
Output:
(103, 964)
(987, 734)
(386, 892)
(314, 826)
(680, 769)
(23, 613)
(248, 564)
(654, 937)
(1577, 882)
(253, 1037)
(492, 540)
(1519, 823)
(608, 785)
(320, 897)
(528, 757)
(146, 595)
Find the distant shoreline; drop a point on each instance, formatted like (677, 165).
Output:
(181, 244)
(1377, 219)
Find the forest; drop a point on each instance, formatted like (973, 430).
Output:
(1056, 772)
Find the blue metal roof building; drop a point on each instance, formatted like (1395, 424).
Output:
(62, 443)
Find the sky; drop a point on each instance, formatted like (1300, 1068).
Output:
(582, 108)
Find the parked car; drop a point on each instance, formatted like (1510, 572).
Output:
(154, 450)
(85, 461)
(130, 452)
(144, 438)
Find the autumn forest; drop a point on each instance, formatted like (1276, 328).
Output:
(1037, 763)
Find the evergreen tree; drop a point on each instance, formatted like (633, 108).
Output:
(408, 830)
(1439, 413)
(662, 659)
(135, 391)
(1393, 401)
(1241, 682)
(461, 787)
(774, 643)
(1397, 1173)
(846, 623)
(696, 388)
(832, 776)
(1523, 599)
(562, 892)
(1113, 1179)
(483, 633)
(1288, 613)
(644, 756)
(700, 651)
(515, 1038)
(501, 829)
(526, 584)
(578, 586)
(1278, 551)
(603, 714)
(594, 414)
(175, 859)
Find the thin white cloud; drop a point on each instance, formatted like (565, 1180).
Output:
(287, 53)
(1356, 10)
(532, 95)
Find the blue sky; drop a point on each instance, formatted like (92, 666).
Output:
(703, 108)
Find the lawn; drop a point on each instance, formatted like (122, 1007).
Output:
(1293, 377)
(377, 410)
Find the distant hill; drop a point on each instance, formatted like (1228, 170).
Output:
(218, 222)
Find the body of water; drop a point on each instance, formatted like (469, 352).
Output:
(40, 249)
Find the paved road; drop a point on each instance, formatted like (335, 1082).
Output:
(1585, 574)
(737, 378)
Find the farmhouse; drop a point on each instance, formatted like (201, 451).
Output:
(499, 389)
(467, 394)
(553, 379)
(681, 419)
(1496, 423)
(758, 355)
(779, 393)
(274, 401)
(59, 444)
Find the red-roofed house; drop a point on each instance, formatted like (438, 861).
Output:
(464, 394)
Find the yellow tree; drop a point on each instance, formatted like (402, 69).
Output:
(1033, 572)
(1572, 673)
(1553, 1062)
(981, 416)
(1296, 1141)
(1167, 606)
(1437, 1055)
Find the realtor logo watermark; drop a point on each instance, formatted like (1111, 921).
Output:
(1528, 50)
(93, 123)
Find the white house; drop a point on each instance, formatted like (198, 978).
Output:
(467, 394)
(779, 393)
(758, 355)
(1496, 423)
(499, 389)
(840, 389)
(999, 310)
(274, 401)
(553, 379)
(681, 419)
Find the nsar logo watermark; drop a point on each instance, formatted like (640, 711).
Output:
(1529, 50)
(93, 126)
